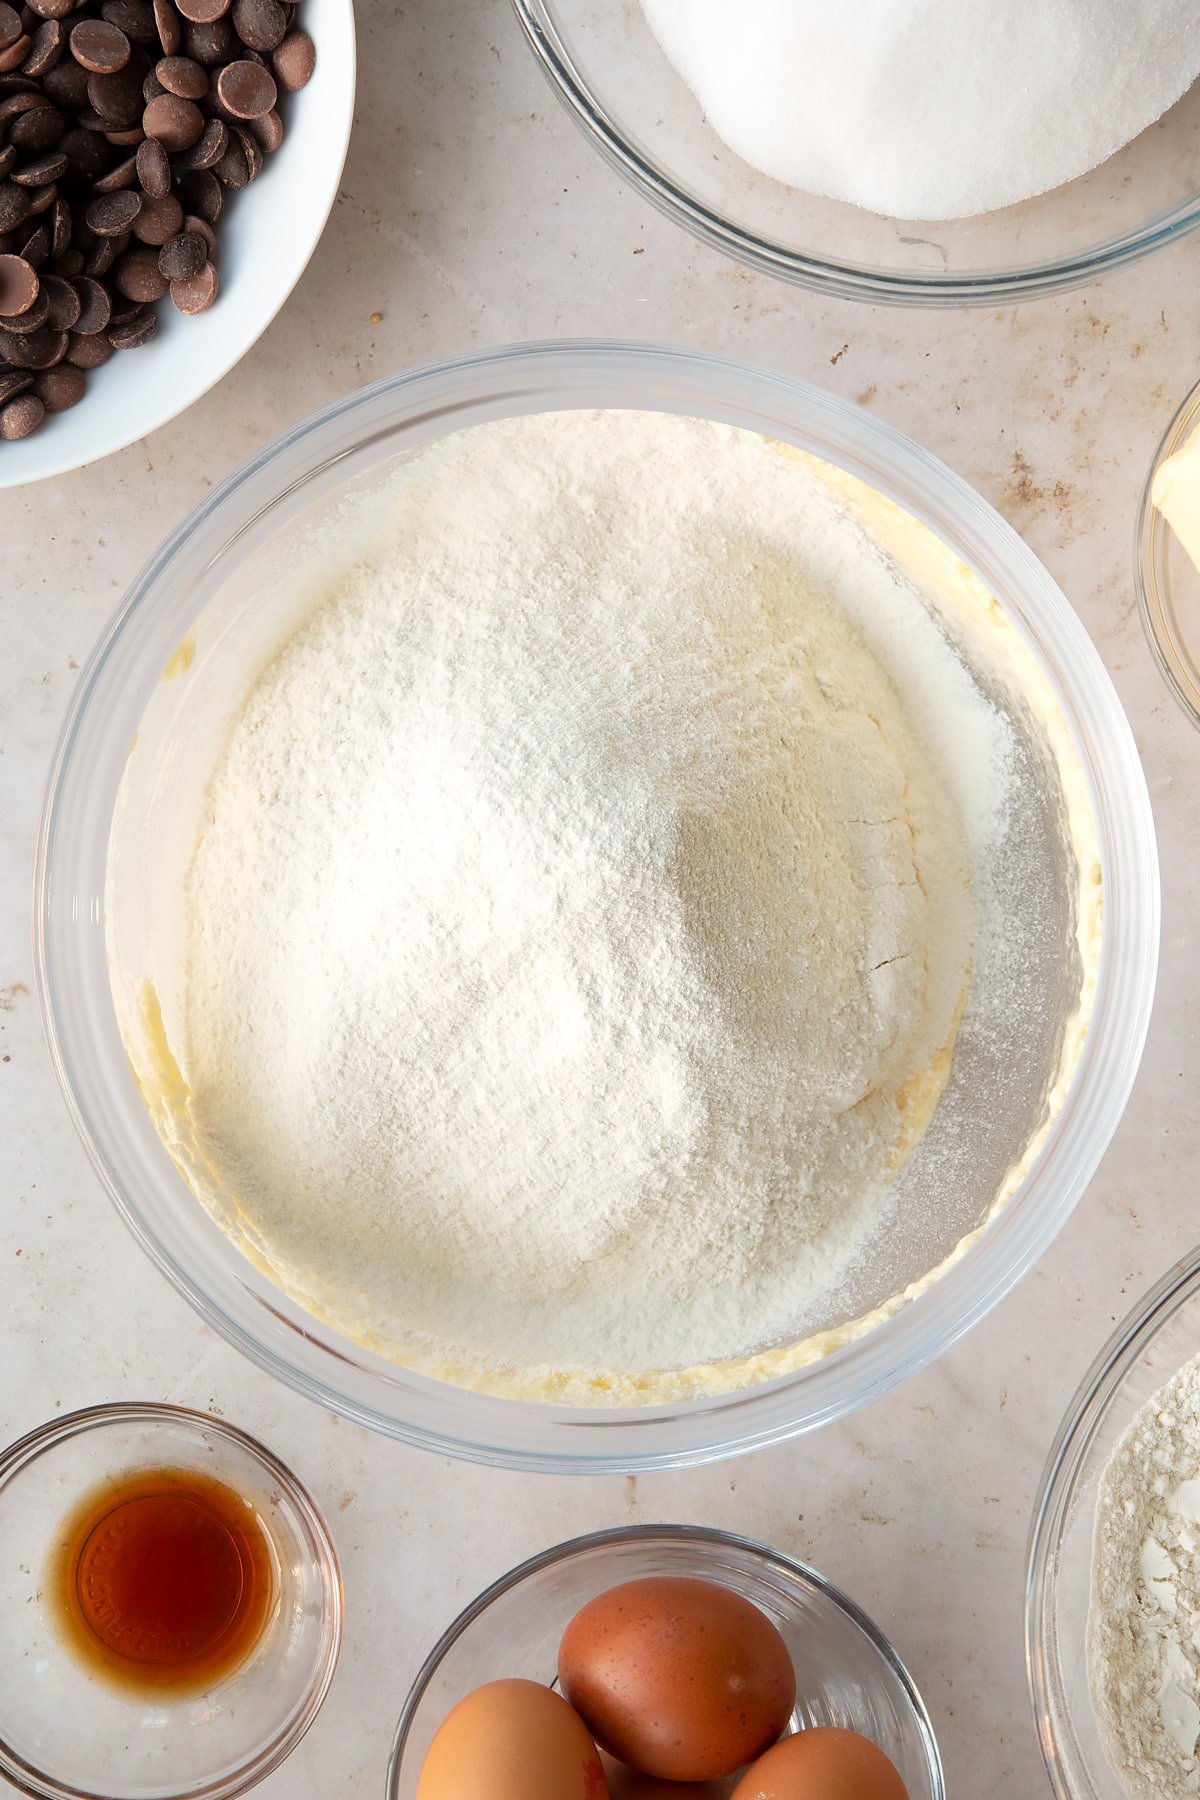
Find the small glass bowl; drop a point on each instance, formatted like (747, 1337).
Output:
(611, 74)
(65, 1735)
(1154, 1340)
(1168, 582)
(847, 1673)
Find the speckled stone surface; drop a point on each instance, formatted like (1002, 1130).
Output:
(473, 213)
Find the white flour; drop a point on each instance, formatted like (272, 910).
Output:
(930, 109)
(584, 907)
(1144, 1621)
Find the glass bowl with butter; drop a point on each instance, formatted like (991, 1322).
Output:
(1167, 564)
(172, 1607)
(1045, 1052)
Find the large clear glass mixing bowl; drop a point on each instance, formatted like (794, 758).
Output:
(123, 697)
(608, 69)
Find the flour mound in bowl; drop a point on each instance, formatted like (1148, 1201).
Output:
(930, 109)
(582, 917)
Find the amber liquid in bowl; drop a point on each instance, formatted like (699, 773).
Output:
(162, 1580)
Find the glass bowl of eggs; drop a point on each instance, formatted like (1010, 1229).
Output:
(890, 191)
(606, 1668)
(1113, 1562)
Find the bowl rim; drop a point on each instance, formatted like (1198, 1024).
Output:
(16, 1457)
(335, 136)
(485, 1428)
(1082, 1420)
(797, 1573)
(1151, 579)
(848, 280)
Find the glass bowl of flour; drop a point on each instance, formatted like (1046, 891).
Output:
(596, 907)
(949, 153)
(1114, 1563)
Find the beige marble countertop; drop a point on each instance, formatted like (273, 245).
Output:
(472, 212)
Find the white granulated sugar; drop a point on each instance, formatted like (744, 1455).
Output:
(584, 904)
(1144, 1621)
(930, 109)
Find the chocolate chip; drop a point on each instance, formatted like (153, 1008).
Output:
(43, 169)
(134, 17)
(88, 352)
(208, 149)
(102, 256)
(260, 24)
(203, 229)
(170, 26)
(32, 318)
(38, 130)
(184, 256)
(294, 61)
(232, 168)
(45, 47)
(19, 285)
(95, 306)
(245, 91)
(203, 12)
(99, 47)
(66, 85)
(180, 75)
(13, 105)
(137, 276)
(131, 333)
(60, 387)
(174, 123)
(37, 246)
(64, 302)
(158, 220)
(14, 206)
(197, 292)
(210, 44)
(267, 131)
(40, 198)
(21, 416)
(117, 98)
(53, 9)
(15, 55)
(10, 25)
(16, 381)
(111, 214)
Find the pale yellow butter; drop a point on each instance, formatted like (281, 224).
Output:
(1176, 494)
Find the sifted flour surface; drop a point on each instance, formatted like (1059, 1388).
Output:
(930, 109)
(583, 917)
(1144, 1620)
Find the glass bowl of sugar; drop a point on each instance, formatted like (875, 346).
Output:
(1046, 1050)
(613, 76)
(1122, 1474)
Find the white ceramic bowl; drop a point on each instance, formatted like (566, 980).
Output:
(264, 244)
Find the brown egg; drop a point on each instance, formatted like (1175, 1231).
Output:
(625, 1783)
(822, 1764)
(512, 1740)
(679, 1678)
